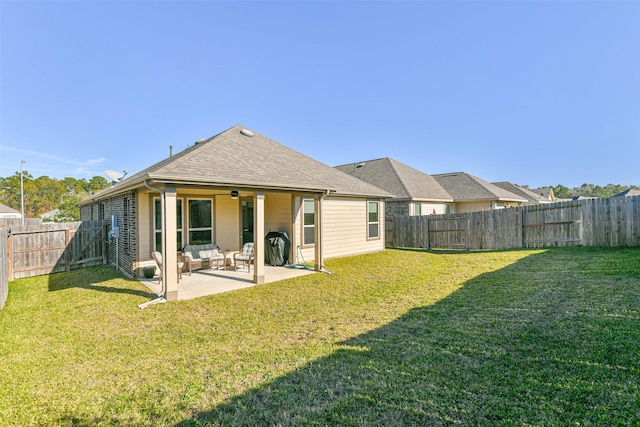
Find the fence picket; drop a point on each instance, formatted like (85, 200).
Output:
(591, 222)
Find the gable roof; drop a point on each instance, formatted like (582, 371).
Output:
(465, 187)
(402, 181)
(7, 210)
(546, 192)
(628, 193)
(518, 190)
(240, 158)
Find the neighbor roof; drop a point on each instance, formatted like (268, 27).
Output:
(628, 193)
(6, 209)
(401, 180)
(466, 187)
(523, 192)
(241, 158)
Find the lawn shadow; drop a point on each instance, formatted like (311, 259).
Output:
(100, 278)
(509, 347)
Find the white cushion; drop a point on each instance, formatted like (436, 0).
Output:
(207, 254)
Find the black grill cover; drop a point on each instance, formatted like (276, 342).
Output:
(276, 248)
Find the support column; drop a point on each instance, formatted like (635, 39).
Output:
(318, 263)
(170, 246)
(258, 237)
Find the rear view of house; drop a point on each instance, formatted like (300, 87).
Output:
(234, 188)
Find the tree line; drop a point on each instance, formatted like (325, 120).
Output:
(590, 190)
(45, 194)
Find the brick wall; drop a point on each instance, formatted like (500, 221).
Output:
(396, 208)
(124, 206)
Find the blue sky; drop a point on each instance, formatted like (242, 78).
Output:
(538, 93)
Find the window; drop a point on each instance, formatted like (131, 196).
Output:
(200, 222)
(308, 222)
(101, 211)
(158, 223)
(417, 209)
(373, 220)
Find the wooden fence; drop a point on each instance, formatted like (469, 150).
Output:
(590, 222)
(37, 249)
(4, 265)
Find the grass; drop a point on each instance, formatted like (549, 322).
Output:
(403, 337)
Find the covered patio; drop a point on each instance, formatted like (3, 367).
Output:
(214, 281)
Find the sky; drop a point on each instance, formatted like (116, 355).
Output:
(536, 93)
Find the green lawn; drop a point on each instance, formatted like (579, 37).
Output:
(395, 338)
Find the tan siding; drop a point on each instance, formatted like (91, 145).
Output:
(227, 222)
(145, 227)
(433, 208)
(278, 212)
(470, 207)
(344, 228)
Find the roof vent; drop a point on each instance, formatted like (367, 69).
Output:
(246, 132)
(201, 140)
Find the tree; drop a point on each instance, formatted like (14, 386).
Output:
(45, 194)
(561, 192)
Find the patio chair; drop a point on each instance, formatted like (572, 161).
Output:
(245, 257)
(158, 257)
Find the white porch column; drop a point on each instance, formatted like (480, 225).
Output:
(318, 264)
(170, 246)
(258, 237)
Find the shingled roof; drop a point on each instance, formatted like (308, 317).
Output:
(241, 158)
(465, 187)
(403, 181)
(7, 210)
(628, 193)
(532, 198)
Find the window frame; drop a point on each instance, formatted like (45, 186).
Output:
(304, 226)
(188, 219)
(376, 223)
(157, 228)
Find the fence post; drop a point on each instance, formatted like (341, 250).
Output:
(67, 240)
(10, 255)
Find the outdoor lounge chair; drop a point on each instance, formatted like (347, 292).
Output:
(203, 256)
(245, 257)
(158, 257)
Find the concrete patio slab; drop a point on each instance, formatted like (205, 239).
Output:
(214, 281)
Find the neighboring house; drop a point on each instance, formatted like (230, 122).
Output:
(531, 197)
(234, 188)
(471, 193)
(627, 193)
(414, 192)
(7, 212)
(546, 192)
(51, 215)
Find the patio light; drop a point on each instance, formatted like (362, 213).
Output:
(234, 194)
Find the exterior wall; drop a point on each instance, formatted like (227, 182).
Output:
(429, 208)
(144, 232)
(278, 215)
(227, 222)
(481, 206)
(396, 208)
(344, 229)
(470, 207)
(10, 215)
(125, 207)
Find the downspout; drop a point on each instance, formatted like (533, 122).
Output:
(161, 298)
